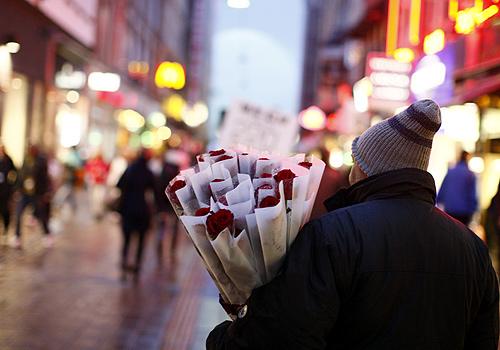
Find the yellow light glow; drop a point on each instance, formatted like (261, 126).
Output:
(465, 21)
(486, 14)
(164, 133)
(414, 32)
(131, 120)
(138, 67)
(392, 27)
(476, 164)
(196, 115)
(336, 159)
(72, 96)
(173, 106)
(147, 139)
(170, 75)
(404, 54)
(174, 141)
(312, 118)
(434, 42)
(453, 9)
(478, 5)
(157, 119)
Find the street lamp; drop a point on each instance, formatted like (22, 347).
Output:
(238, 4)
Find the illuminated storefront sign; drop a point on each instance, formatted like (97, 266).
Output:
(390, 80)
(99, 81)
(69, 79)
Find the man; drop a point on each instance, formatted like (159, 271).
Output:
(384, 269)
(458, 191)
(7, 181)
(34, 185)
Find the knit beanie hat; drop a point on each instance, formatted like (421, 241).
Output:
(402, 141)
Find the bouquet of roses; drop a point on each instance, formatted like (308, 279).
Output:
(243, 211)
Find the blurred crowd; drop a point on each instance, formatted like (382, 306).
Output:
(131, 184)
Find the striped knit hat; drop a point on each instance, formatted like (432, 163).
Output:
(402, 141)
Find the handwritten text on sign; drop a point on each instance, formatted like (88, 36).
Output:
(251, 127)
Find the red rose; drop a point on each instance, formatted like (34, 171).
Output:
(202, 211)
(218, 221)
(219, 152)
(265, 187)
(307, 165)
(287, 176)
(265, 175)
(217, 180)
(263, 158)
(177, 185)
(224, 157)
(223, 200)
(269, 201)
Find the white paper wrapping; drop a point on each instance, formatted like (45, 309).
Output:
(200, 182)
(235, 254)
(271, 223)
(195, 227)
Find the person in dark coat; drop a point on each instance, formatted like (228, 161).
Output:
(135, 212)
(458, 191)
(384, 269)
(35, 188)
(165, 212)
(8, 177)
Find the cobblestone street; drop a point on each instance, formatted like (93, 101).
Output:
(70, 296)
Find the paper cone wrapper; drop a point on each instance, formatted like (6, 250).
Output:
(196, 229)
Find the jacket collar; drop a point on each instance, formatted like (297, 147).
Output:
(402, 183)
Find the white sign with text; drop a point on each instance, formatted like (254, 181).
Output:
(250, 127)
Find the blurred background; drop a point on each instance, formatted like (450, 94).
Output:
(90, 88)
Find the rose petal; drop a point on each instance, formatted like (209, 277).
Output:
(265, 175)
(306, 165)
(269, 201)
(224, 157)
(218, 152)
(202, 211)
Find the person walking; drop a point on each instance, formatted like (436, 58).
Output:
(458, 191)
(165, 213)
(135, 212)
(35, 188)
(97, 170)
(8, 176)
(384, 269)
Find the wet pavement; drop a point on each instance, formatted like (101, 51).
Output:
(71, 296)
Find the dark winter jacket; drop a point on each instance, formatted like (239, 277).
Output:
(385, 270)
(8, 177)
(458, 191)
(135, 182)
